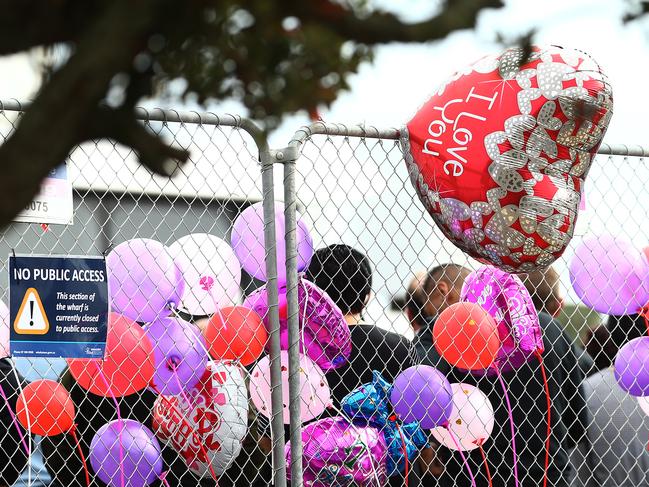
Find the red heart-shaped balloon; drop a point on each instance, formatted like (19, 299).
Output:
(499, 154)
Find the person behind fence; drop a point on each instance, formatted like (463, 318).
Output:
(525, 387)
(346, 275)
(545, 288)
(615, 451)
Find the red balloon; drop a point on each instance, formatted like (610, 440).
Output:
(499, 154)
(467, 336)
(50, 408)
(236, 333)
(127, 367)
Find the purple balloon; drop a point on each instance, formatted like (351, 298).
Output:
(327, 339)
(338, 453)
(248, 242)
(422, 393)
(143, 280)
(632, 367)
(505, 297)
(177, 345)
(142, 461)
(610, 275)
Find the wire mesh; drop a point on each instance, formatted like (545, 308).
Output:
(116, 200)
(382, 265)
(354, 189)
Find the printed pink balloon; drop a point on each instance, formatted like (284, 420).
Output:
(327, 339)
(471, 422)
(498, 156)
(336, 452)
(610, 275)
(314, 388)
(210, 270)
(506, 299)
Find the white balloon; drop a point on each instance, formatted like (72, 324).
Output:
(217, 413)
(314, 388)
(211, 272)
(643, 401)
(471, 421)
(4, 330)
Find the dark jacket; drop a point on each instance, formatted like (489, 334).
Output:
(13, 458)
(527, 395)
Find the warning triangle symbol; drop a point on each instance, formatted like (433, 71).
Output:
(31, 318)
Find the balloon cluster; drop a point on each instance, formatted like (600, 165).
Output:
(202, 405)
(380, 430)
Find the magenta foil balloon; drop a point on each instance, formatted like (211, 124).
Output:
(336, 452)
(143, 280)
(632, 367)
(142, 459)
(506, 299)
(327, 339)
(610, 275)
(422, 393)
(248, 242)
(180, 355)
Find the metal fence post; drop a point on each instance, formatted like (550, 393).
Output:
(277, 423)
(290, 211)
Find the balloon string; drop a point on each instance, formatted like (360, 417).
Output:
(511, 424)
(486, 465)
(405, 452)
(29, 428)
(163, 479)
(73, 432)
(549, 402)
(196, 436)
(15, 420)
(459, 449)
(119, 423)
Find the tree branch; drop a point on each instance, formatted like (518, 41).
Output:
(32, 23)
(122, 126)
(58, 117)
(383, 27)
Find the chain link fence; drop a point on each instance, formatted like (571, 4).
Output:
(350, 187)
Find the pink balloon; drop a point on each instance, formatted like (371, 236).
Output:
(314, 388)
(505, 297)
(248, 242)
(4, 330)
(610, 275)
(471, 421)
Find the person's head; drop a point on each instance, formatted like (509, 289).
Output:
(443, 286)
(345, 274)
(416, 301)
(545, 289)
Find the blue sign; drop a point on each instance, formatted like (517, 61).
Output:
(58, 306)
